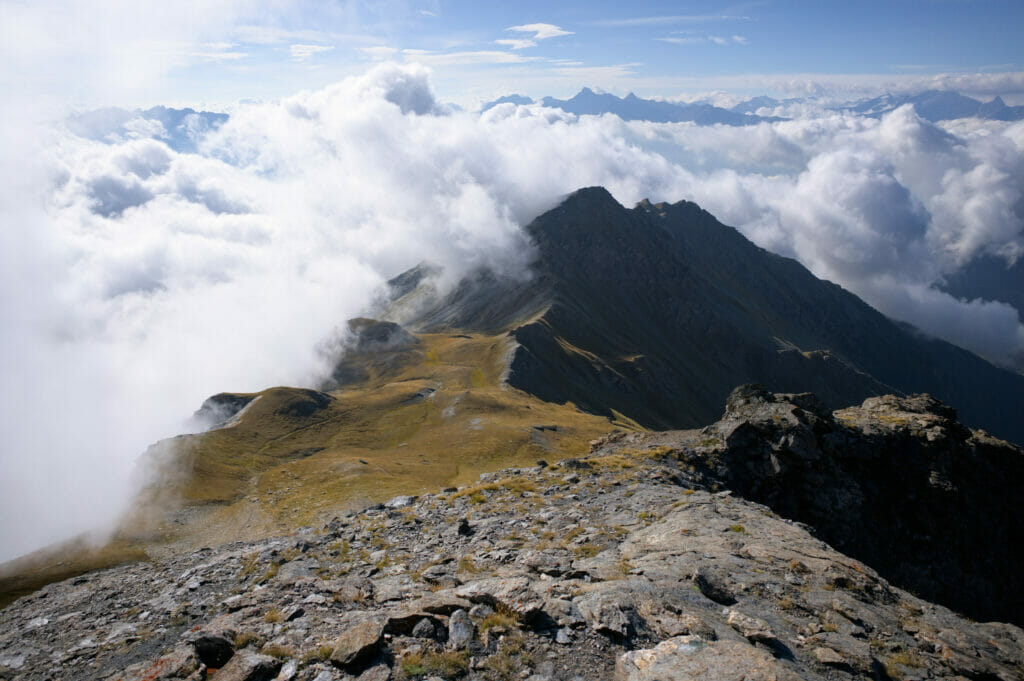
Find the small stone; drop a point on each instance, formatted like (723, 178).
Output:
(399, 502)
(247, 666)
(213, 650)
(380, 672)
(179, 663)
(357, 642)
(460, 630)
(480, 611)
(751, 628)
(828, 656)
(424, 629)
(713, 584)
(564, 636)
(288, 671)
(326, 675)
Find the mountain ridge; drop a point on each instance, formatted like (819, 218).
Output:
(586, 102)
(657, 312)
(643, 560)
(932, 105)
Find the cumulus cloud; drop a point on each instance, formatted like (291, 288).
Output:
(140, 279)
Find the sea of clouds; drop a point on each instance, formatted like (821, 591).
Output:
(139, 280)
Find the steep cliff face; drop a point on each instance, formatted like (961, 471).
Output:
(657, 312)
(643, 560)
(896, 482)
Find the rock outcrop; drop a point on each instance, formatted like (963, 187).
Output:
(641, 561)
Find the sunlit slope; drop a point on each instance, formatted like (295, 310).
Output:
(438, 416)
(422, 418)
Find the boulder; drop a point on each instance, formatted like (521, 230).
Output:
(248, 666)
(358, 642)
(691, 657)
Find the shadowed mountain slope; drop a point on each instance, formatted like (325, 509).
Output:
(657, 312)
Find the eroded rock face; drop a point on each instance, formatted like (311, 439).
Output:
(635, 563)
(896, 482)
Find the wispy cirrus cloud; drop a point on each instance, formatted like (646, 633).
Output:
(704, 39)
(271, 35)
(430, 58)
(379, 52)
(584, 73)
(304, 52)
(516, 43)
(669, 19)
(540, 31)
(216, 52)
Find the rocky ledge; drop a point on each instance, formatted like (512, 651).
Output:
(643, 561)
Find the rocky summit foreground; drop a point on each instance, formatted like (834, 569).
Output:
(643, 561)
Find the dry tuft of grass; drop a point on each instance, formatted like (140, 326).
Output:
(510, 661)
(244, 638)
(321, 653)
(279, 651)
(503, 617)
(447, 665)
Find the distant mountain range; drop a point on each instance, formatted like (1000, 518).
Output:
(932, 105)
(632, 108)
(990, 278)
(938, 105)
(180, 129)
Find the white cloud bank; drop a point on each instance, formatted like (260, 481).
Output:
(138, 281)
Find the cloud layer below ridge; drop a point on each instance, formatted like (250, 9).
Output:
(143, 280)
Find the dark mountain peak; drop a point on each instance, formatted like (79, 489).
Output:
(586, 222)
(591, 197)
(659, 311)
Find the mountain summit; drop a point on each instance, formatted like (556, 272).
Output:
(658, 311)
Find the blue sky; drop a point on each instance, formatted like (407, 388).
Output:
(201, 53)
(654, 47)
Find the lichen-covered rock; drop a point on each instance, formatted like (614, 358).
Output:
(691, 657)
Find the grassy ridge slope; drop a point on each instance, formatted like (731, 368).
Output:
(435, 416)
